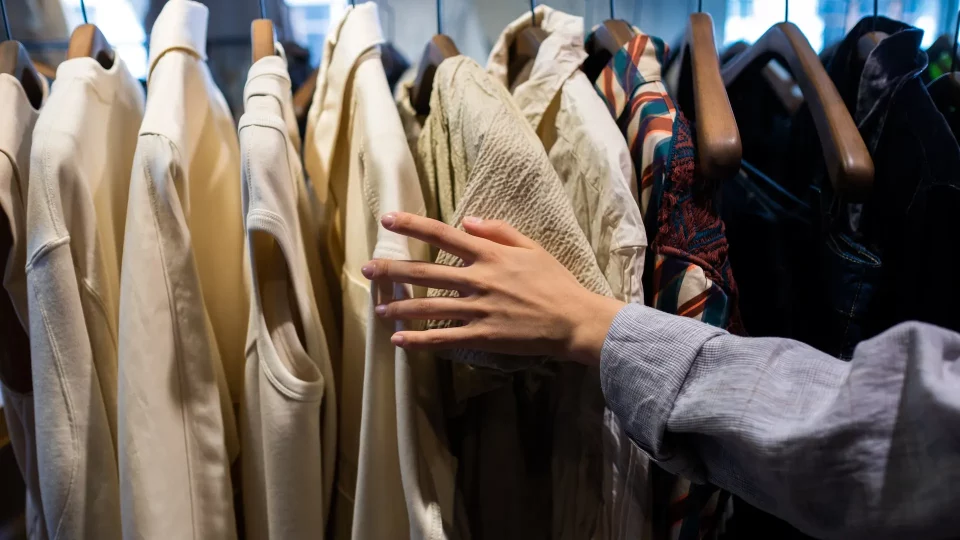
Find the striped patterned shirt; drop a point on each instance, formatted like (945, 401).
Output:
(688, 272)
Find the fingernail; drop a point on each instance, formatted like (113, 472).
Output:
(388, 219)
(472, 220)
(397, 340)
(367, 271)
(381, 309)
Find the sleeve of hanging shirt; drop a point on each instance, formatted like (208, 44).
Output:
(863, 449)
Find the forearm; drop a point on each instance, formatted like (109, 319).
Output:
(838, 449)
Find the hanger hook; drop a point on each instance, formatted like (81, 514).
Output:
(613, 11)
(439, 17)
(6, 22)
(263, 10)
(953, 51)
(533, 15)
(786, 10)
(699, 6)
(876, 8)
(83, 10)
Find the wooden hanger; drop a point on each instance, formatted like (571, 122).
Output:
(523, 51)
(262, 39)
(848, 162)
(45, 69)
(867, 43)
(703, 98)
(304, 95)
(602, 44)
(437, 50)
(88, 41)
(779, 79)
(15, 61)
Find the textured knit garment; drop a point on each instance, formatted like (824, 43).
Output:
(83, 147)
(289, 448)
(483, 159)
(394, 474)
(859, 449)
(592, 160)
(183, 301)
(16, 385)
(488, 162)
(688, 272)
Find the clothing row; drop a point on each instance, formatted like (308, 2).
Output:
(194, 350)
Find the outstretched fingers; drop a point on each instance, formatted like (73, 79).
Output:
(497, 231)
(425, 309)
(435, 233)
(458, 337)
(437, 276)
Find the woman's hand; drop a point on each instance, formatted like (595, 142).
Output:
(514, 296)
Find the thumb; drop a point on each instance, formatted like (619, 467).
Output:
(497, 231)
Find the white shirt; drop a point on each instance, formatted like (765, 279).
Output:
(592, 159)
(83, 146)
(183, 299)
(289, 449)
(16, 385)
(392, 464)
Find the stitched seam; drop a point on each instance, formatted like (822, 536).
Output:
(171, 298)
(46, 248)
(101, 307)
(289, 392)
(849, 315)
(269, 216)
(74, 437)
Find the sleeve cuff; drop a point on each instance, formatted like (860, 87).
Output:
(644, 362)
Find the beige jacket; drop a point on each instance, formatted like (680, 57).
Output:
(16, 386)
(392, 464)
(482, 159)
(83, 147)
(593, 162)
(289, 447)
(584, 144)
(183, 300)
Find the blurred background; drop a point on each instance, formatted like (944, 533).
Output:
(44, 26)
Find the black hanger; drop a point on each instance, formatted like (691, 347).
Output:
(604, 42)
(88, 41)
(437, 50)
(15, 61)
(262, 36)
(849, 164)
(524, 49)
(945, 91)
(702, 96)
(868, 42)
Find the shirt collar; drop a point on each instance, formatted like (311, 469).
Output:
(559, 57)
(269, 77)
(182, 24)
(896, 59)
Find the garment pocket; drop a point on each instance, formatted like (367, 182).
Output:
(849, 276)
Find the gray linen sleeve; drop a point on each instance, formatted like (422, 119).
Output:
(866, 448)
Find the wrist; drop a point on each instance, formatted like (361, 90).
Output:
(590, 322)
